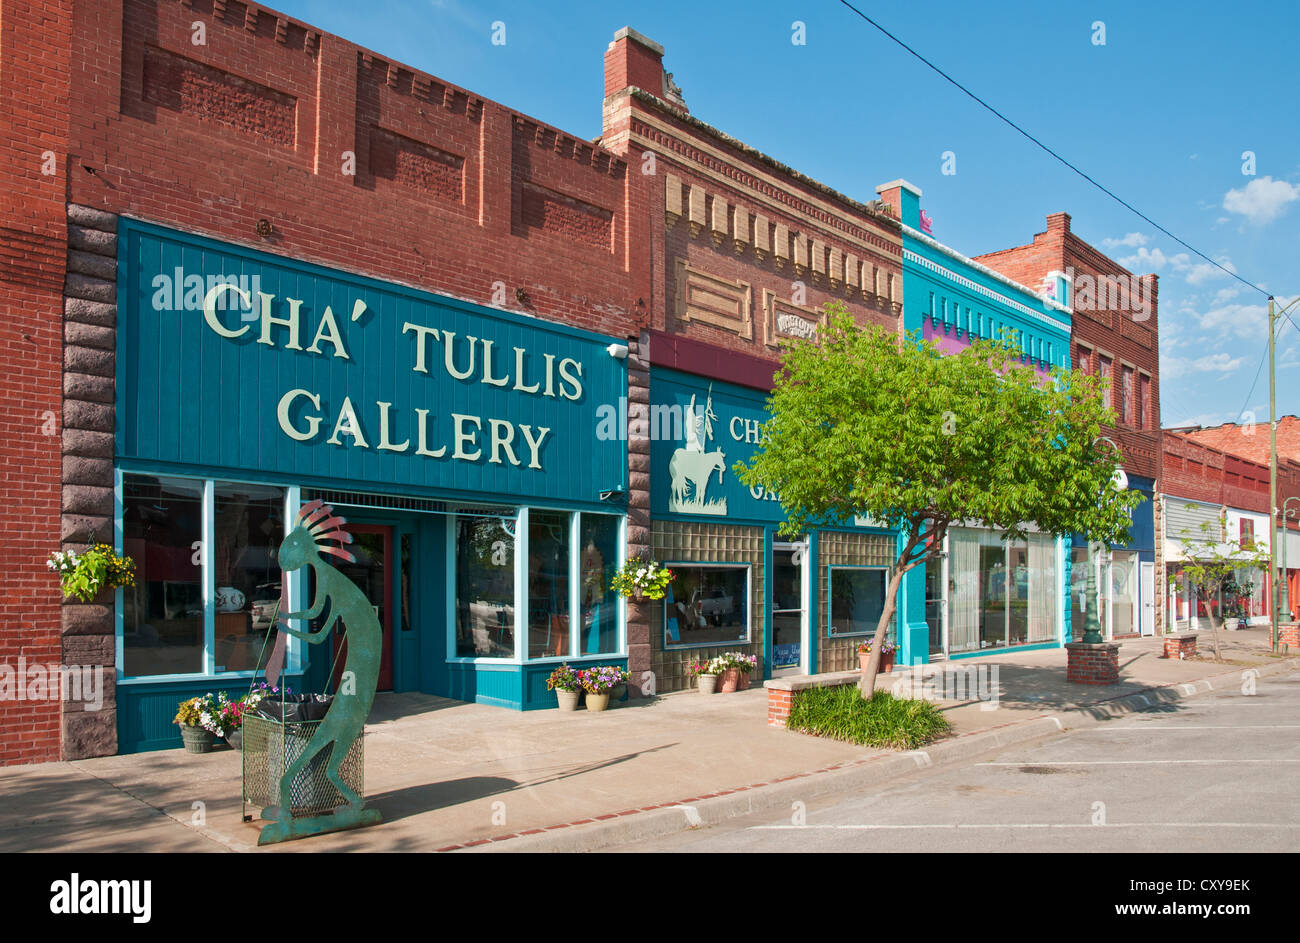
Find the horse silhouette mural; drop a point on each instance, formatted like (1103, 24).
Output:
(691, 467)
(345, 719)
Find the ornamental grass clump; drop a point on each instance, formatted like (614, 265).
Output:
(841, 713)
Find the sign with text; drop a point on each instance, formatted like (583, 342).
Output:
(239, 360)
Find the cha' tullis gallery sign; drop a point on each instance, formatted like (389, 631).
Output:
(281, 366)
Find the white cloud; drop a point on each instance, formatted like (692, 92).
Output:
(1262, 200)
(1236, 320)
(1130, 241)
(1150, 260)
(1220, 363)
(1153, 260)
(1224, 295)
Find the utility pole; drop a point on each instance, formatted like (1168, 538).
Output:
(1278, 593)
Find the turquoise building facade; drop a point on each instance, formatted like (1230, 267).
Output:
(462, 444)
(983, 594)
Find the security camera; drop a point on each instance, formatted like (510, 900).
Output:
(617, 351)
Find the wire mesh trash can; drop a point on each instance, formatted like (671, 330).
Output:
(271, 747)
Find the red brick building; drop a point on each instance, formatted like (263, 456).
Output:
(260, 131)
(1115, 327)
(227, 130)
(745, 253)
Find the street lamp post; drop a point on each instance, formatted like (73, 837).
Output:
(1284, 598)
(1091, 624)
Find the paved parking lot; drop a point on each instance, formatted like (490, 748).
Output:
(1213, 773)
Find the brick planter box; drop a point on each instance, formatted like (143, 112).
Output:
(781, 691)
(1180, 646)
(1092, 664)
(1288, 634)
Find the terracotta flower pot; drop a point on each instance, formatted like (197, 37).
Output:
(708, 683)
(568, 700)
(729, 680)
(886, 662)
(597, 702)
(743, 683)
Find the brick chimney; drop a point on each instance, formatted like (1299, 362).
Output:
(636, 61)
(1058, 222)
(905, 199)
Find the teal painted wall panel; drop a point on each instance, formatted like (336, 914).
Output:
(187, 395)
(145, 711)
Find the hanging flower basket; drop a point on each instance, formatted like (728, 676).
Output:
(641, 579)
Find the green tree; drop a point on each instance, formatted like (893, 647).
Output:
(1211, 564)
(865, 422)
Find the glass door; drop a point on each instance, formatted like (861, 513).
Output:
(789, 608)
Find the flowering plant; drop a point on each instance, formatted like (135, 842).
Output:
(84, 575)
(697, 668)
(746, 664)
(641, 576)
(214, 713)
(864, 647)
(602, 679)
(260, 692)
(564, 678)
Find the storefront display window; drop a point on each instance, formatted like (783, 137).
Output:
(548, 584)
(1002, 592)
(485, 587)
(706, 605)
(197, 609)
(162, 529)
(857, 600)
(248, 526)
(599, 545)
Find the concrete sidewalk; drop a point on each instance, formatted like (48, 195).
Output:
(447, 774)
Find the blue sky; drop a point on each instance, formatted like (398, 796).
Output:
(1161, 113)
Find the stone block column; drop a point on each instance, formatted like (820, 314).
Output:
(89, 368)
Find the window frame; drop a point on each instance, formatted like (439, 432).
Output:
(296, 583)
(520, 656)
(830, 596)
(749, 604)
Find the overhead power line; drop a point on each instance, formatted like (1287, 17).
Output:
(1122, 202)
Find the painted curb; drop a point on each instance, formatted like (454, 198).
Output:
(872, 771)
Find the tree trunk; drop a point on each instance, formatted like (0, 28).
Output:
(1214, 631)
(867, 686)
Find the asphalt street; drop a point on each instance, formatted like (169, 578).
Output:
(1210, 773)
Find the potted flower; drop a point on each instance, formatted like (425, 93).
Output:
(84, 575)
(567, 685)
(703, 673)
(736, 669)
(202, 720)
(887, 654)
(641, 578)
(598, 682)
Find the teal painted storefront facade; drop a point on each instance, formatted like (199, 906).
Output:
(699, 429)
(244, 373)
(948, 300)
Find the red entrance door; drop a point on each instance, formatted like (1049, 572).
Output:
(372, 545)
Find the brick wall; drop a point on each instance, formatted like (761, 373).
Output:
(1115, 314)
(746, 250)
(356, 161)
(35, 66)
